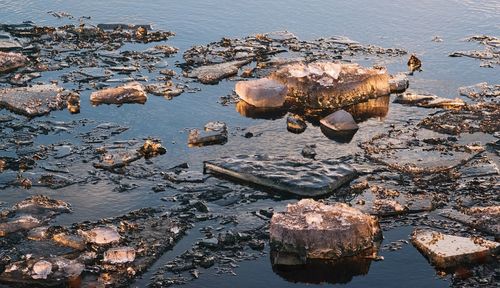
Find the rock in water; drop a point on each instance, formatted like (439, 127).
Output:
(309, 151)
(429, 101)
(302, 177)
(295, 124)
(339, 121)
(212, 74)
(33, 101)
(10, 61)
(446, 251)
(314, 230)
(41, 269)
(414, 64)
(339, 126)
(117, 159)
(152, 148)
(73, 103)
(119, 255)
(399, 83)
(262, 92)
(132, 92)
(331, 85)
(215, 133)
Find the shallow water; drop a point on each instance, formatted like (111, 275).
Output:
(406, 24)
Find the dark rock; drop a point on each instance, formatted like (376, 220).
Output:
(295, 124)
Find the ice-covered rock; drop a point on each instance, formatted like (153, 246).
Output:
(117, 159)
(446, 251)
(214, 133)
(429, 101)
(10, 61)
(40, 204)
(132, 92)
(262, 92)
(480, 91)
(212, 74)
(340, 121)
(315, 230)
(119, 255)
(36, 100)
(332, 85)
(399, 83)
(486, 219)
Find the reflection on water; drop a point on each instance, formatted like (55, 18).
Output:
(316, 271)
(373, 108)
(251, 111)
(338, 136)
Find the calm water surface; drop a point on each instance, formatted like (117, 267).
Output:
(406, 24)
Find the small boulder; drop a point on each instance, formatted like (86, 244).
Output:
(215, 133)
(132, 92)
(339, 126)
(262, 92)
(152, 148)
(340, 121)
(314, 230)
(295, 124)
(414, 64)
(447, 251)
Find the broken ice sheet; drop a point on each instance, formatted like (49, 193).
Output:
(301, 177)
(447, 251)
(33, 101)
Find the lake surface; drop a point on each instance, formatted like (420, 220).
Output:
(410, 25)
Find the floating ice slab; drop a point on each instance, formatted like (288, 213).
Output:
(302, 177)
